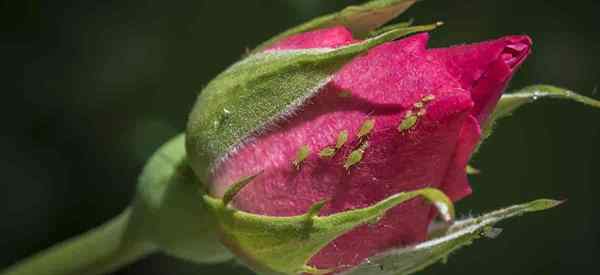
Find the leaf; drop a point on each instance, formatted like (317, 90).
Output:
(414, 258)
(283, 245)
(359, 19)
(510, 102)
(262, 88)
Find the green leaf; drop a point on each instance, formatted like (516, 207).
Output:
(414, 258)
(261, 89)
(510, 102)
(284, 245)
(359, 19)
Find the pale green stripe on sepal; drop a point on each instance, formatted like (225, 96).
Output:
(262, 88)
(284, 245)
(414, 258)
(359, 19)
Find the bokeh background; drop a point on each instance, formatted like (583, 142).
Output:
(91, 88)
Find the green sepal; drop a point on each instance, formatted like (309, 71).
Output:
(472, 170)
(414, 258)
(390, 27)
(236, 188)
(284, 245)
(261, 89)
(510, 102)
(361, 20)
(169, 210)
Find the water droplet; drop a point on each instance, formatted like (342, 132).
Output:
(491, 232)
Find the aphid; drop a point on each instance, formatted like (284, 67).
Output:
(407, 123)
(344, 94)
(355, 156)
(327, 152)
(366, 128)
(301, 155)
(418, 105)
(428, 98)
(341, 139)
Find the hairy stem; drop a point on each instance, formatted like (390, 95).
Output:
(98, 251)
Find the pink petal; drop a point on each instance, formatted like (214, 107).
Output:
(485, 68)
(323, 38)
(456, 184)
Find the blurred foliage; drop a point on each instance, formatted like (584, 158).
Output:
(104, 83)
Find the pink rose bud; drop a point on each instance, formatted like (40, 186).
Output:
(399, 118)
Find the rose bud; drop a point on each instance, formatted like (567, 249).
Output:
(399, 118)
(313, 148)
(334, 147)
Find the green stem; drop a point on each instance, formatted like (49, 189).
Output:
(101, 250)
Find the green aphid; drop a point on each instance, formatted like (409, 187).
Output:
(355, 156)
(344, 94)
(428, 98)
(327, 152)
(301, 155)
(341, 139)
(407, 123)
(366, 128)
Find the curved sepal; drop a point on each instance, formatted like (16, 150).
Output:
(284, 245)
(262, 88)
(510, 102)
(411, 259)
(169, 210)
(359, 19)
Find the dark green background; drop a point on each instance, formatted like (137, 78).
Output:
(91, 88)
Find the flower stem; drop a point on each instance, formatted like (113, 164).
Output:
(98, 251)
